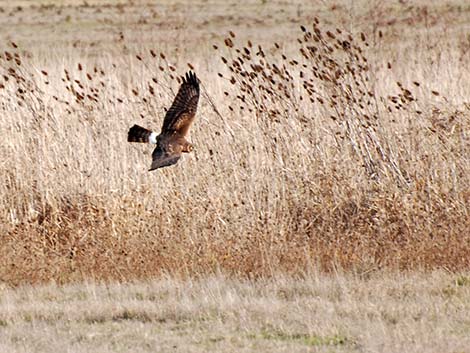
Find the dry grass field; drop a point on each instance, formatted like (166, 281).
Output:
(326, 206)
(316, 313)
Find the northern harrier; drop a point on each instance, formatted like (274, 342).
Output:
(171, 142)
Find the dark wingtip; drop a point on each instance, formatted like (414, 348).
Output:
(191, 78)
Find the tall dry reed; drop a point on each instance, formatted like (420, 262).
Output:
(303, 159)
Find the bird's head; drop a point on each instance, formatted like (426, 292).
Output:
(188, 148)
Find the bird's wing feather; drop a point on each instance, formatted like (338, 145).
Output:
(162, 158)
(183, 110)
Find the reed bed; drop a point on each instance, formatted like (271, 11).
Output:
(323, 153)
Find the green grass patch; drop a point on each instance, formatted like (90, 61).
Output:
(306, 339)
(462, 281)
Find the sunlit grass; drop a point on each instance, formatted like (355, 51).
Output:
(327, 152)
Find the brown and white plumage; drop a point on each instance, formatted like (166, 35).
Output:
(171, 142)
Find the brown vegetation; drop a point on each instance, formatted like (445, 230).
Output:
(325, 152)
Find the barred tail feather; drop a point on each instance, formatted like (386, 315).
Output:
(140, 134)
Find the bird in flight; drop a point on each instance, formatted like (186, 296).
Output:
(171, 143)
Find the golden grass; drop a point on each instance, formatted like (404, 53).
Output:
(314, 313)
(353, 154)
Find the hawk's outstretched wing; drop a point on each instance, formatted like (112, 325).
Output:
(162, 158)
(183, 110)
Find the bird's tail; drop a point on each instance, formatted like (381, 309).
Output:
(140, 134)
